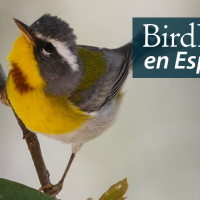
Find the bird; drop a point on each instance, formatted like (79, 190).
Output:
(65, 91)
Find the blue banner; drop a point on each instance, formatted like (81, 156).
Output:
(166, 47)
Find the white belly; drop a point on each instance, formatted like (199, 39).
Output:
(91, 129)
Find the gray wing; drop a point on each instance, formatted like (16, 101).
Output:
(118, 63)
(126, 55)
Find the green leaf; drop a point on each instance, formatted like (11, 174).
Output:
(10, 190)
(116, 191)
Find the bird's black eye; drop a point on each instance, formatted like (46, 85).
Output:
(49, 48)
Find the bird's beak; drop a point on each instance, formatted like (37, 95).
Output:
(25, 31)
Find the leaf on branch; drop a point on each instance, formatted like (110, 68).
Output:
(3, 78)
(116, 191)
(15, 191)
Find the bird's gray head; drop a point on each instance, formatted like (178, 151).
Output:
(54, 29)
(55, 50)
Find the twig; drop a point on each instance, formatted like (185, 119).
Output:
(2, 79)
(30, 137)
(36, 154)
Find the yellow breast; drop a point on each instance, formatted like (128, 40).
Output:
(40, 112)
(45, 113)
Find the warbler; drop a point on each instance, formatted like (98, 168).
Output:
(66, 91)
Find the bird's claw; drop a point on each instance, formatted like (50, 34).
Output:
(53, 190)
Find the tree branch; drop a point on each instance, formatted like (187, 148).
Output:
(3, 79)
(36, 154)
(30, 137)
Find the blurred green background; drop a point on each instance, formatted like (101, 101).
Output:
(155, 140)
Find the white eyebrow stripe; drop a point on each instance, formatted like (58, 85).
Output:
(63, 50)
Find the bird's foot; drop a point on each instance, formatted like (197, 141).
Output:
(53, 190)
